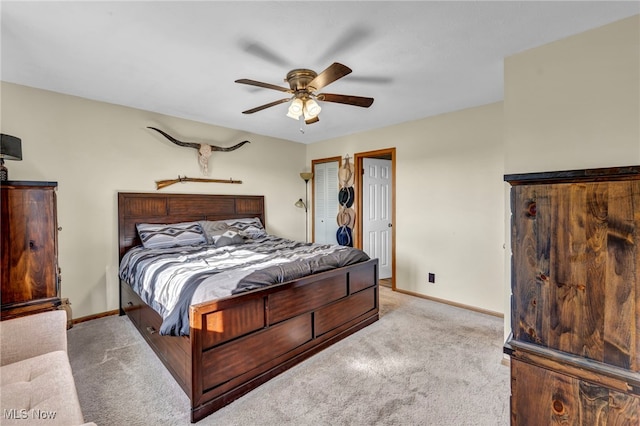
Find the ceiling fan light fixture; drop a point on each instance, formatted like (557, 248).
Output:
(303, 85)
(295, 109)
(311, 109)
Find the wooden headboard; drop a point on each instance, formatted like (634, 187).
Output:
(134, 208)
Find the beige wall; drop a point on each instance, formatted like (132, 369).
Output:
(575, 103)
(93, 150)
(449, 202)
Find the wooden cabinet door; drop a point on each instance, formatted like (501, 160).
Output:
(29, 246)
(576, 263)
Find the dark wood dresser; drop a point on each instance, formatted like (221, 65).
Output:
(575, 304)
(30, 278)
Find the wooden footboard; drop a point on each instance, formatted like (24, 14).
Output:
(238, 343)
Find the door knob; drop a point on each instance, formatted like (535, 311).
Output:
(389, 225)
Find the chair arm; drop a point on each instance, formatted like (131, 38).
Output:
(32, 335)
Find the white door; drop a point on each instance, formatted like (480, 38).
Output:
(325, 202)
(376, 212)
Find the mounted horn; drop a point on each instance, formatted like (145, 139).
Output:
(204, 150)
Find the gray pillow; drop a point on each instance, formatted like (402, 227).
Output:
(211, 228)
(251, 226)
(227, 237)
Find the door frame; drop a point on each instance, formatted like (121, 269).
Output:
(358, 159)
(313, 190)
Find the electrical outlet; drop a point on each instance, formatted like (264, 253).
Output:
(432, 277)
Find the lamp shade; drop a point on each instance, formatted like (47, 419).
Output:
(10, 147)
(311, 109)
(300, 204)
(295, 109)
(306, 176)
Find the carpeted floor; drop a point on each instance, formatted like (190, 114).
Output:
(422, 363)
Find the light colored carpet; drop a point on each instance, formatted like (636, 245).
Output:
(422, 363)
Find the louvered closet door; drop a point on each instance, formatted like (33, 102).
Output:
(325, 202)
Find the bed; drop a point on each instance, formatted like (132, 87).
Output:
(236, 343)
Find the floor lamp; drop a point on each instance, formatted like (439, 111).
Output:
(305, 204)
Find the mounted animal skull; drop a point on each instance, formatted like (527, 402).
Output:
(204, 150)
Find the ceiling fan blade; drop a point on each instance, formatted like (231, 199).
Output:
(263, 52)
(265, 106)
(265, 85)
(348, 40)
(312, 120)
(328, 76)
(346, 99)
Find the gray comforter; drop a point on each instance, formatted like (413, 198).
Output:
(171, 279)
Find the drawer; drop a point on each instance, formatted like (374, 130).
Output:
(295, 301)
(225, 362)
(362, 277)
(130, 303)
(540, 396)
(233, 322)
(330, 317)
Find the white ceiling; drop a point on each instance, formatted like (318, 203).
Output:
(180, 58)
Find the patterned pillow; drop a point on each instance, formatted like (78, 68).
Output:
(227, 237)
(211, 228)
(251, 226)
(157, 235)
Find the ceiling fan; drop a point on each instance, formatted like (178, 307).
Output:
(303, 85)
